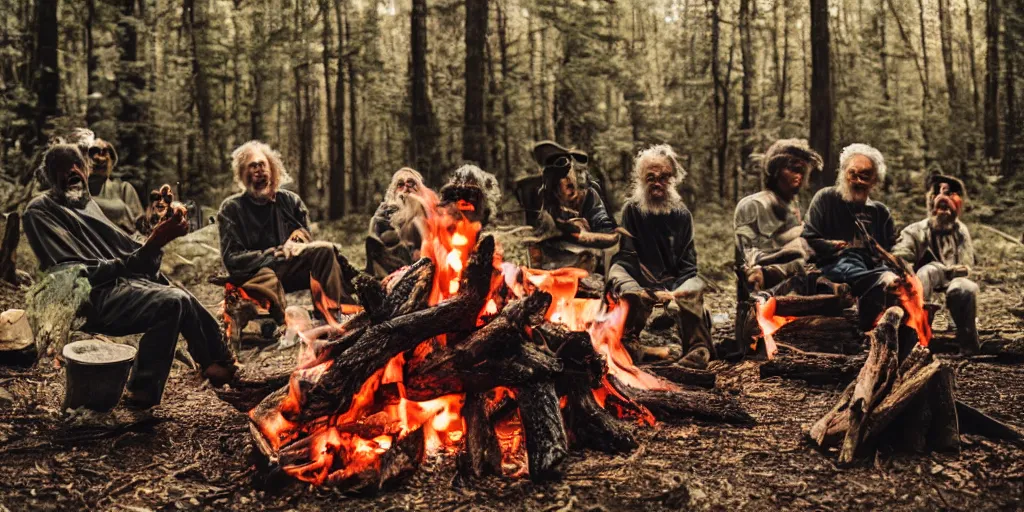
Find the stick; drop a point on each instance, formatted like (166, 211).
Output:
(1003, 234)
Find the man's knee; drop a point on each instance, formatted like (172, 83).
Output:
(622, 280)
(171, 303)
(961, 289)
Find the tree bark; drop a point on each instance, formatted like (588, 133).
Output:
(47, 67)
(326, 38)
(423, 130)
(746, 122)
(975, 89)
(353, 115)
(993, 20)
(822, 98)
(506, 104)
(718, 93)
(946, 38)
(474, 139)
(336, 196)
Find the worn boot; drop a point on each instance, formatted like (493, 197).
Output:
(967, 338)
(697, 358)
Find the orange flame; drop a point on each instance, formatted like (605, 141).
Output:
(911, 297)
(769, 323)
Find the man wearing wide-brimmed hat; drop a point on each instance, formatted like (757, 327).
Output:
(940, 251)
(570, 217)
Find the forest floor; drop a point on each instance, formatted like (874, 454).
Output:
(196, 452)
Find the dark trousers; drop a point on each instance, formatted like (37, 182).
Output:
(318, 261)
(133, 305)
(867, 281)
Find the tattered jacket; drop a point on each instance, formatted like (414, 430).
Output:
(764, 223)
(920, 245)
(247, 243)
(660, 252)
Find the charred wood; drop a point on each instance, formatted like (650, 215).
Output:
(683, 375)
(807, 305)
(546, 442)
(679, 404)
(481, 454)
(814, 368)
(829, 334)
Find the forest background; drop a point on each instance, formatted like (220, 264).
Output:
(352, 90)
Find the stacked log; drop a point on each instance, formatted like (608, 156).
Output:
(553, 378)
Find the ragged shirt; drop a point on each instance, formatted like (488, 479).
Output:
(831, 219)
(61, 235)
(763, 223)
(660, 252)
(920, 245)
(118, 200)
(250, 232)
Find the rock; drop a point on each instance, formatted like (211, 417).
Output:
(15, 331)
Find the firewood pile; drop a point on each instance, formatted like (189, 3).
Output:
(908, 402)
(489, 374)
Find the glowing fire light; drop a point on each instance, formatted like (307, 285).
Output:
(911, 297)
(769, 323)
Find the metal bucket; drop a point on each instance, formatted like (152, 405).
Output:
(96, 373)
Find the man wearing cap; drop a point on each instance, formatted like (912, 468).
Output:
(117, 199)
(571, 217)
(940, 251)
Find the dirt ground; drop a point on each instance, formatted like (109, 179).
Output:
(196, 451)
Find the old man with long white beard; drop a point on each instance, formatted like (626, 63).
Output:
(395, 230)
(658, 261)
(845, 227)
(940, 251)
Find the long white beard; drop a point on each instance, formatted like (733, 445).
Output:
(648, 206)
(847, 193)
(77, 199)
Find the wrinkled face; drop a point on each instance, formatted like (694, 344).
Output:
(946, 204)
(256, 175)
(405, 183)
(860, 177)
(69, 173)
(657, 176)
(791, 178)
(102, 156)
(568, 188)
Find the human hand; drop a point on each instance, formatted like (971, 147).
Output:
(300, 236)
(755, 278)
(174, 225)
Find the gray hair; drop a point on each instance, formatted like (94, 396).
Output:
(658, 151)
(864, 150)
(278, 174)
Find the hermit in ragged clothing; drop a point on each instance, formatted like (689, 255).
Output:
(265, 241)
(129, 295)
(940, 251)
(845, 228)
(117, 199)
(395, 232)
(573, 221)
(658, 259)
(768, 224)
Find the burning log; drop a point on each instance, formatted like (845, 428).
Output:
(682, 375)
(678, 404)
(814, 368)
(808, 305)
(547, 444)
(482, 455)
(829, 334)
(908, 403)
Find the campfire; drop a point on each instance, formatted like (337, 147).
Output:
(460, 353)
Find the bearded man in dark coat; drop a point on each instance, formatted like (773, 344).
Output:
(658, 259)
(129, 295)
(116, 198)
(394, 237)
(265, 241)
(845, 228)
(940, 251)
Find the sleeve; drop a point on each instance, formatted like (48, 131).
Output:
(888, 231)
(301, 213)
(54, 244)
(596, 214)
(747, 234)
(967, 251)
(238, 260)
(627, 255)
(131, 199)
(814, 228)
(380, 222)
(686, 261)
(907, 247)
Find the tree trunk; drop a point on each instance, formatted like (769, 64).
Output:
(423, 134)
(474, 139)
(883, 50)
(92, 114)
(993, 19)
(925, 84)
(747, 60)
(946, 37)
(336, 209)
(46, 72)
(301, 174)
(353, 116)
(201, 152)
(822, 100)
(975, 89)
(325, 10)
(506, 104)
(716, 76)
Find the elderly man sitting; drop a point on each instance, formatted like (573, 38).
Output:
(394, 237)
(129, 295)
(845, 228)
(939, 249)
(264, 236)
(658, 259)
